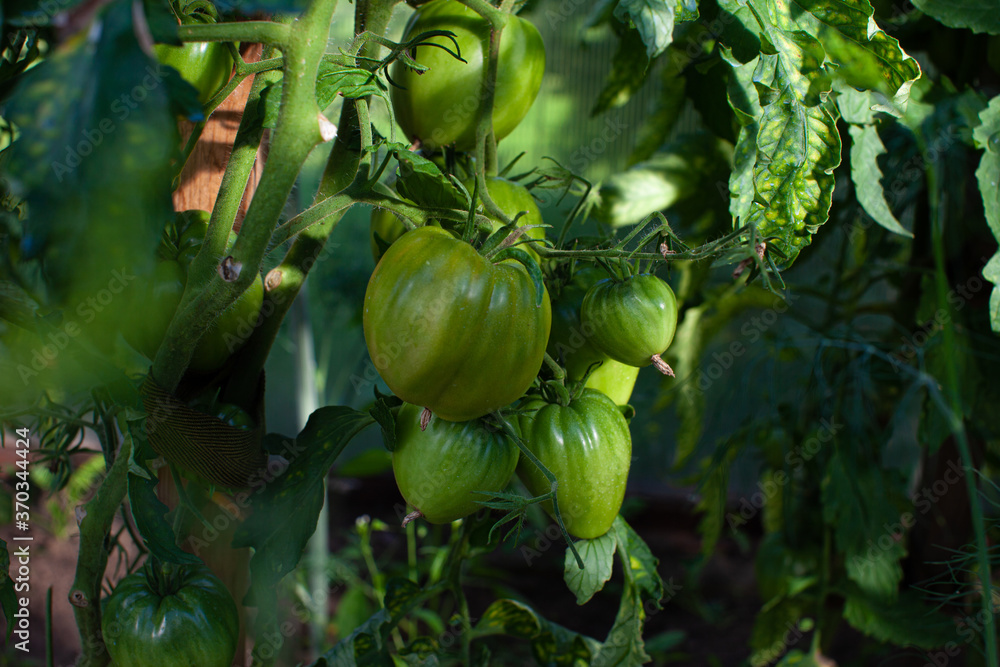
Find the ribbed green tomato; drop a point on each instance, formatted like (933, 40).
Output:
(451, 331)
(440, 107)
(570, 342)
(171, 616)
(632, 321)
(439, 469)
(588, 447)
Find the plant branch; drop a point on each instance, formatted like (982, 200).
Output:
(262, 32)
(85, 593)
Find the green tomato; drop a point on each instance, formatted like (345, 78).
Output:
(632, 321)
(171, 616)
(512, 198)
(571, 343)
(205, 65)
(451, 331)
(440, 107)
(385, 226)
(439, 469)
(155, 300)
(588, 447)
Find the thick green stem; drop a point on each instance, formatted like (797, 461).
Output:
(298, 131)
(252, 32)
(85, 594)
(957, 423)
(287, 279)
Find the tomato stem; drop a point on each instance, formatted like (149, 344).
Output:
(262, 32)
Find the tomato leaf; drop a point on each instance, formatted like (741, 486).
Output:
(148, 510)
(866, 56)
(509, 617)
(972, 14)
(382, 413)
(629, 69)
(93, 157)
(775, 629)
(655, 20)
(906, 622)
(332, 79)
(423, 183)
(8, 600)
(714, 494)
(987, 136)
(284, 511)
(624, 645)
(598, 556)
(866, 175)
(642, 565)
(857, 505)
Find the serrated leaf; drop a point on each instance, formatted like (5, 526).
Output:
(8, 600)
(629, 69)
(797, 150)
(992, 273)
(382, 413)
(657, 127)
(976, 15)
(285, 508)
(332, 79)
(906, 622)
(714, 495)
(856, 504)
(423, 183)
(866, 175)
(148, 511)
(655, 20)
(642, 564)
(623, 645)
(508, 617)
(772, 626)
(93, 159)
(867, 57)
(598, 556)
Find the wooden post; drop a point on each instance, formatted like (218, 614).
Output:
(199, 186)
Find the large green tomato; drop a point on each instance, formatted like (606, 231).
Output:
(440, 107)
(588, 447)
(632, 321)
(171, 616)
(205, 65)
(451, 331)
(439, 469)
(571, 343)
(156, 300)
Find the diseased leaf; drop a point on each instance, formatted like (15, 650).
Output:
(642, 563)
(867, 57)
(598, 556)
(976, 15)
(797, 150)
(866, 175)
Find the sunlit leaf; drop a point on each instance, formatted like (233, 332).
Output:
(987, 137)
(866, 175)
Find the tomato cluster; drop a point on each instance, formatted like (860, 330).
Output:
(459, 330)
